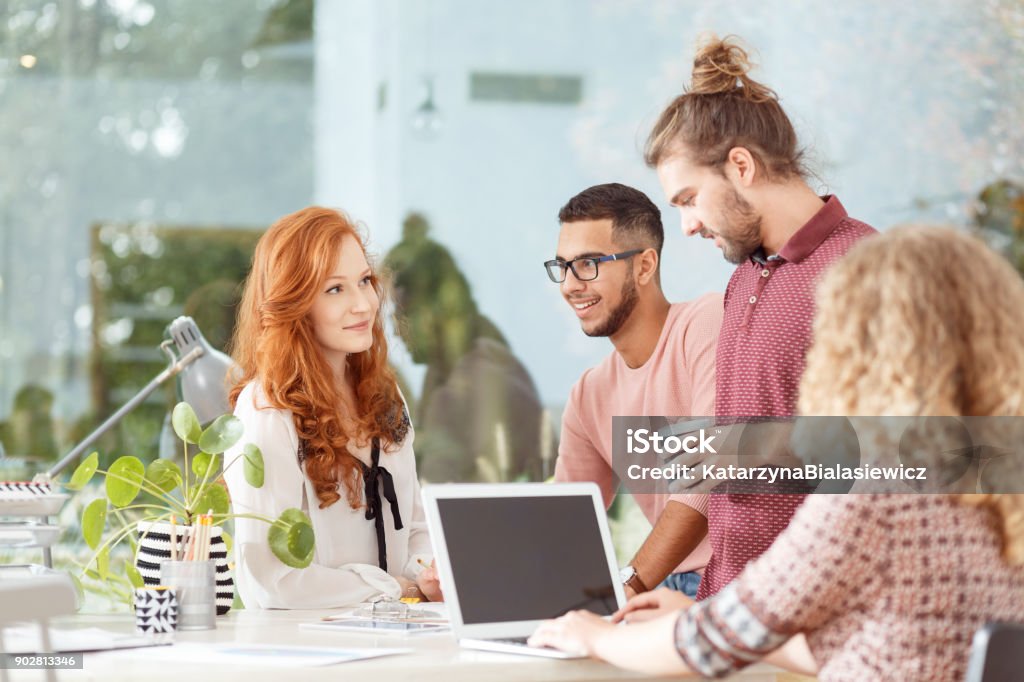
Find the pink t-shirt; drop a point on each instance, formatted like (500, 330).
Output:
(677, 380)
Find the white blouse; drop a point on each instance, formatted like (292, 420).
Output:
(345, 568)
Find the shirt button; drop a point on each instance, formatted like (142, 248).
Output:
(753, 299)
(766, 272)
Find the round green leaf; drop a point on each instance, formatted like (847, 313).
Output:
(134, 577)
(300, 542)
(229, 542)
(186, 423)
(103, 563)
(202, 463)
(212, 496)
(94, 518)
(124, 479)
(253, 465)
(221, 434)
(291, 538)
(83, 474)
(164, 474)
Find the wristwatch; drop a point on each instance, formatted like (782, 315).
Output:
(631, 579)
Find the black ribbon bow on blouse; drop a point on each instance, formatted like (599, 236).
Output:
(374, 506)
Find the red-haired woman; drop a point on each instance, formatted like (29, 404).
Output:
(316, 395)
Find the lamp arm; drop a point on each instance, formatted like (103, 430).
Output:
(176, 366)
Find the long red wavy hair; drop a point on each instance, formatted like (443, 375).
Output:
(274, 343)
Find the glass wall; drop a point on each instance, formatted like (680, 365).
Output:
(144, 144)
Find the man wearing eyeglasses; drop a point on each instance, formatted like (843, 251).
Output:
(607, 264)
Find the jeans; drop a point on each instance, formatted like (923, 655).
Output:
(687, 583)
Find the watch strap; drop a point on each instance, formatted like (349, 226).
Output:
(635, 583)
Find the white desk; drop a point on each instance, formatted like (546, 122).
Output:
(436, 657)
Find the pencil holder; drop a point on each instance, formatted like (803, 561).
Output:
(155, 547)
(194, 583)
(156, 610)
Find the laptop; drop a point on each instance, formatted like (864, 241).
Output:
(513, 555)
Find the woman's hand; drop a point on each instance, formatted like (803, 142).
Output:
(650, 605)
(648, 647)
(410, 590)
(429, 583)
(576, 632)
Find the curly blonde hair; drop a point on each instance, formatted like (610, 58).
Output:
(922, 321)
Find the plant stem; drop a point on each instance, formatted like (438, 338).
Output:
(225, 517)
(145, 534)
(124, 522)
(184, 474)
(140, 506)
(228, 465)
(116, 538)
(110, 542)
(202, 486)
(143, 485)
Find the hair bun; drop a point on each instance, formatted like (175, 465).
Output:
(721, 66)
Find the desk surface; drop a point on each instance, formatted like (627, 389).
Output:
(435, 657)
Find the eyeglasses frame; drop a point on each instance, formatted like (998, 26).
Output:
(571, 264)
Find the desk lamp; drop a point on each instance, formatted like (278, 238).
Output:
(201, 371)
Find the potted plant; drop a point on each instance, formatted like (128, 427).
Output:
(181, 496)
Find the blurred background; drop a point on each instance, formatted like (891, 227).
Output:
(146, 144)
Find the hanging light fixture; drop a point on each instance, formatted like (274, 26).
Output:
(426, 119)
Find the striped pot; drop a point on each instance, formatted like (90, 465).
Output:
(155, 546)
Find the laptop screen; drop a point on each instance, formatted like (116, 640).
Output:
(526, 558)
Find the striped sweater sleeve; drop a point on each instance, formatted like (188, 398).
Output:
(720, 635)
(822, 566)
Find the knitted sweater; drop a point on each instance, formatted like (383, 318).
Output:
(885, 587)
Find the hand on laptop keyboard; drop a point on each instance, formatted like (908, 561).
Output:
(574, 632)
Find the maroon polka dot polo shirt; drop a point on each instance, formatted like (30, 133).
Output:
(766, 331)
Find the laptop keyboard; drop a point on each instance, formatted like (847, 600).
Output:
(517, 644)
(521, 641)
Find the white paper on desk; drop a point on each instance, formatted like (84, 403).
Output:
(262, 655)
(432, 611)
(434, 615)
(378, 627)
(438, 607)
(25, 639)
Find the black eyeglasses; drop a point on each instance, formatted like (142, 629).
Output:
(584, 269)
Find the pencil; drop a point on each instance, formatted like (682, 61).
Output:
(174, 538)
(193, 537)
(208, 536)
(207, 530)
(200, 537)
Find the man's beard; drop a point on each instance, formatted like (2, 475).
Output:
(744, 230)
(617, 317)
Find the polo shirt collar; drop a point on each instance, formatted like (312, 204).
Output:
(809, 237)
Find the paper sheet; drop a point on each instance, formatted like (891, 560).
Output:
(25, 639)
(266, 655)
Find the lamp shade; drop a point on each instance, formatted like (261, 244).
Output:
(203, 383)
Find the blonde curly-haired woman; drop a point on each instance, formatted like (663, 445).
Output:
(917, 322)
